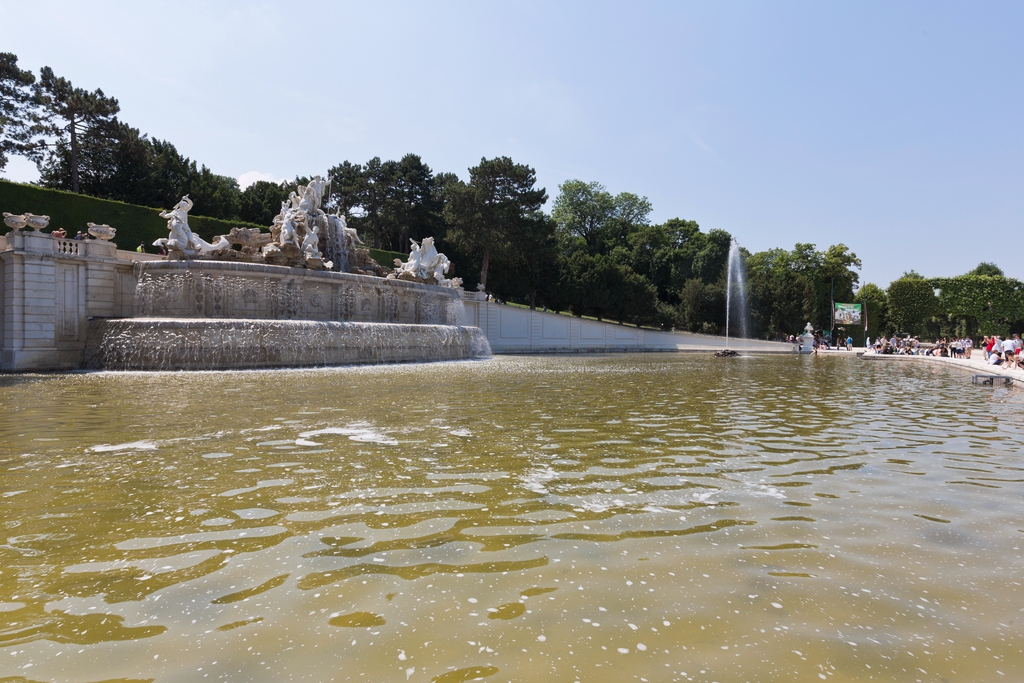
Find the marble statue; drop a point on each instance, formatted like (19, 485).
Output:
(312, 195)
(289, 233)
(302, 235)
(182, 241)
(311, 242)
(425, 264)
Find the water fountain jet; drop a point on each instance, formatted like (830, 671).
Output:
(734, 278)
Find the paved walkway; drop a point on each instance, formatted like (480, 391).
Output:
(975, 364)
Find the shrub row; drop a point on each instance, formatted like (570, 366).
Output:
(72, 211)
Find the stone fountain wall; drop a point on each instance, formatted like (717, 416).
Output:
(69, 305)
(217, 289)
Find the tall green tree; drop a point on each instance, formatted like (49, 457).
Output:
(486, 214)
(261, 201)
(528, 272)
(876, 304)
(791, 288)
(777, 288)
(987, 268)
(125, 165)
(214, 195)
(17, 109)
(588, 212)
(390, 202)
(70, 114)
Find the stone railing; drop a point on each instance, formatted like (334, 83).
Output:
(66, 247)
(43, 244)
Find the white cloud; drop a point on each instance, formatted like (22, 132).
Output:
(250, 177)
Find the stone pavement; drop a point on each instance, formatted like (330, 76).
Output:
(975, 364)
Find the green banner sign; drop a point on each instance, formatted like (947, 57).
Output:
(848, 314)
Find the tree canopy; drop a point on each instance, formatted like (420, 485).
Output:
(17, 113)
(72, 115)
(490, 213)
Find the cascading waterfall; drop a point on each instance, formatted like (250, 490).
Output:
(208, 315)
(207, 344)
(734, 279)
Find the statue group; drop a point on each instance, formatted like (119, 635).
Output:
(425, 265)
(295, 232)
(295, 236)
(302, 235)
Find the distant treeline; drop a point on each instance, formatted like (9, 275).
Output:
(593, 253)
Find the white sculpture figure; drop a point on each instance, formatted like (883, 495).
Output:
(425, 263)
(288, 233)
(313, 194)
(431, 262)
(311, 243)
(279, 218)
(182, 239)
(412, 266)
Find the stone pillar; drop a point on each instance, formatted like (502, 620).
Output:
(29, 308)
(51, 287)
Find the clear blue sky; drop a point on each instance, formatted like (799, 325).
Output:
(895, 128)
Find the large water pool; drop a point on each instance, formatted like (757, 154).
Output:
(617, 518)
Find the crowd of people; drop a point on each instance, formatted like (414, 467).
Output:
(1003, 352)
(998, 351)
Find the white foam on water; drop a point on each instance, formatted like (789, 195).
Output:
(255, 513)
(705, 497)
(536, 479)
(131, 446)
(218, 521)
(359, 432)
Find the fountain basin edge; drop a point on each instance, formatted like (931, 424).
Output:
(207, 344)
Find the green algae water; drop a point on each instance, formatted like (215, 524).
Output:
(618, 518)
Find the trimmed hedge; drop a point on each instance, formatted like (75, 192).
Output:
(995, 302)
(72, 211)
(387, 258)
